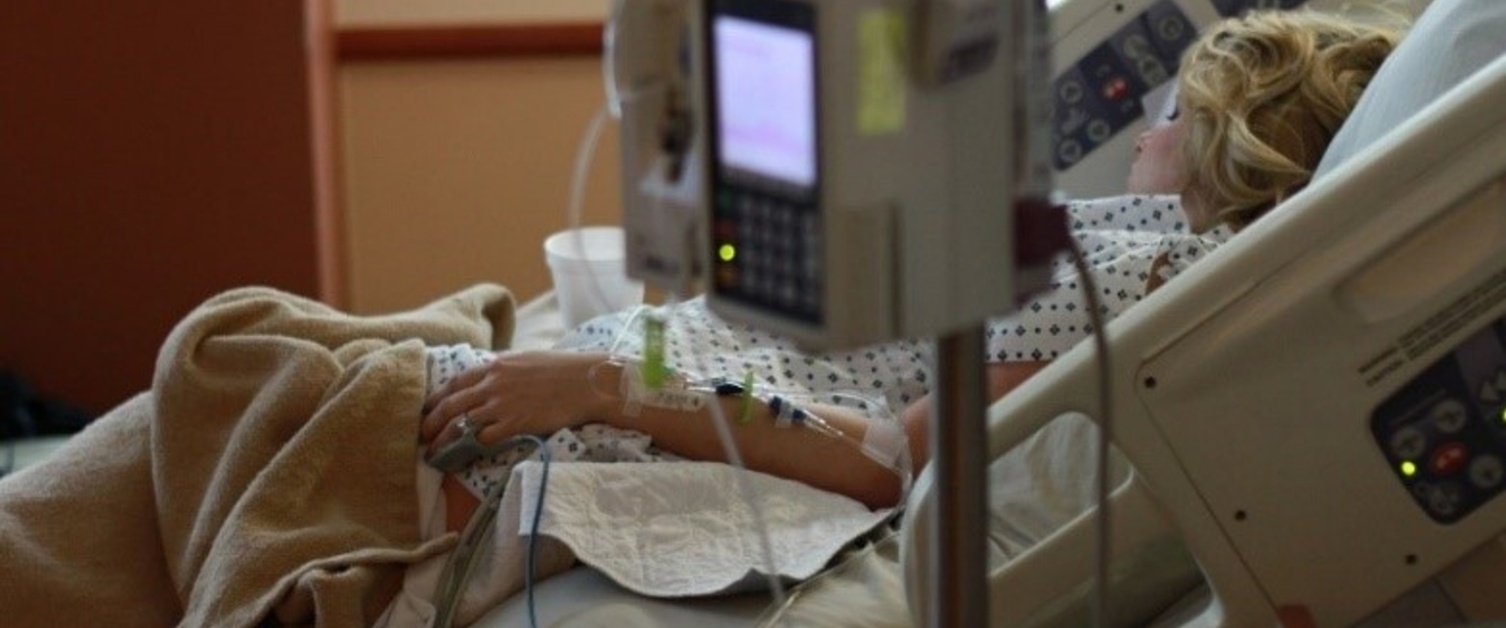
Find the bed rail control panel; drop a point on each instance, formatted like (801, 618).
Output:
(1100, 95)
(1444, 433)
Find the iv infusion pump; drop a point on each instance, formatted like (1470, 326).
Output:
(837, 171)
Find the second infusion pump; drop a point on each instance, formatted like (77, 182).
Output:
(838, 171)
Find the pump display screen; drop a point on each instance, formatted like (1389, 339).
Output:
(767, 251)
(765, 94)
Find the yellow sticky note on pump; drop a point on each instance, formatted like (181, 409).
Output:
(881, 72)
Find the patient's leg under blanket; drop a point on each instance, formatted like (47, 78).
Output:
(268, 472)
(79, 545)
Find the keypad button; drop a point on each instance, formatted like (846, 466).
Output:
(726, 276)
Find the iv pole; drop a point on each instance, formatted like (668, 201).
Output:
(958, 593)
(959, 437)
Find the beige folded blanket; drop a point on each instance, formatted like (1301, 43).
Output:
(268, 473)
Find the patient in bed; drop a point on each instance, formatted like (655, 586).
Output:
(1259, 98)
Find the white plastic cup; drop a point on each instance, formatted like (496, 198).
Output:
(589, 267)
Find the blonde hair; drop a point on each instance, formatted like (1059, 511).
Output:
(1265, 93)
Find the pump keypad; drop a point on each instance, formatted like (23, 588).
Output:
(766, 251)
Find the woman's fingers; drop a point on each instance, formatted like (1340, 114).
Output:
(465, 379)
(516, 393)
(485, 419)
(453, 400)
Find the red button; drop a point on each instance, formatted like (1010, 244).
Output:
(1115, 89)
(1449, 458)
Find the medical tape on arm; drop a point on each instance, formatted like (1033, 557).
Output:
(636, 393)
(885, 442)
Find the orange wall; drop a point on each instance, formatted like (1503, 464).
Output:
(152, 154)
(366, 13)
(456, 170)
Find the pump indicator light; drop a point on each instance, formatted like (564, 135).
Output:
(1408, 469)
(727, 252)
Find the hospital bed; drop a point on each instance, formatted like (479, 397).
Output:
(1276, 404)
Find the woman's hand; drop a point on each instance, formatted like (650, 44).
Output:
(533, 392)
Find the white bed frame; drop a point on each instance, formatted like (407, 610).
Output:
(1241, 395)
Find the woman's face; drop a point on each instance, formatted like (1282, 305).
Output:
(1160, 166)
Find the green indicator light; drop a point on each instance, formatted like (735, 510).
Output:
(1503, 415)
(1408, 469)
(727, 252)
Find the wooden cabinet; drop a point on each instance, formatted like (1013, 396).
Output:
(152, 154)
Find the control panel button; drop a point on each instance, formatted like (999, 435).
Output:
(1448, 459)
(1449, 416)
(1491, 391)
(1486, 472)
(1409, 443)
(1116, 89)
(1442, 499)
(1070, 92)
(1069, 151)
(1099, 130)
(1170, 28)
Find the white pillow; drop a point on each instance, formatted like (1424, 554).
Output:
(1450, 40)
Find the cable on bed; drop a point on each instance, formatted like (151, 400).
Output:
(477, 534)
(1105, 437)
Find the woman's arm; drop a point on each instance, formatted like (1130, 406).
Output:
(1002, 378)
(545, 391)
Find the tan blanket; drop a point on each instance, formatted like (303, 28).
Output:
(268, 474)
